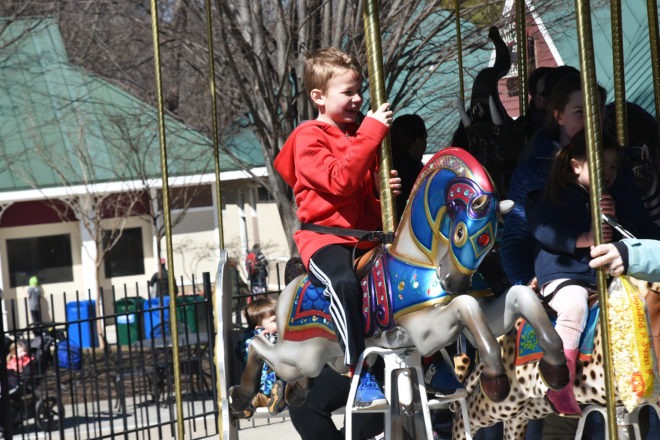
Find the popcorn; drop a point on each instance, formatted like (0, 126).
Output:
(630, 345)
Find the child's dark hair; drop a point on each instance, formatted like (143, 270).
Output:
(561, 173)
(404, 131)
(258, 310)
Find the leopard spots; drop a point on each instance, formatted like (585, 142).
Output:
(526, 399)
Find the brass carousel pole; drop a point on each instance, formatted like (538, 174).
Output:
(654, 40)
(218, 200)
(521, 42)
(459, 46)
(214, 124)
(619, 74)
(167, 222)
(593, 137)
(370, 16)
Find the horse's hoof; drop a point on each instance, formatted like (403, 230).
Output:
(496, 388)
(295, 394)
(235, 403)
(555, 377)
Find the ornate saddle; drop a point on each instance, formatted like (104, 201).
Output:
(390, 288)
(528, 349)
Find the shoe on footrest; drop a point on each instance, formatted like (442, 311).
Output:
(369, 394)
(441, 381)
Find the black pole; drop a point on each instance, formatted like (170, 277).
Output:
(6, 417)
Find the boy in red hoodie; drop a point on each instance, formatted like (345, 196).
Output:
(330, 163)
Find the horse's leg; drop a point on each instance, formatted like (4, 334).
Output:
(296, 391)
(240, 396)
(431, 329)
(501, 315)
(297, 361)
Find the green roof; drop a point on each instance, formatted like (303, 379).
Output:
(435, 101)
(636, 50)
(60, 125)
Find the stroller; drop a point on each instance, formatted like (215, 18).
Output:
(31, 397)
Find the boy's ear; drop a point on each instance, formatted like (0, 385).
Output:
(316, 96)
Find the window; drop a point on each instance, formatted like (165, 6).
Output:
(49, 258)
(264, 195)
(126, 256)
(512, 86)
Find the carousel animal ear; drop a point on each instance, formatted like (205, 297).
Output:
(495, 115)
(505, 206)
(461, 111)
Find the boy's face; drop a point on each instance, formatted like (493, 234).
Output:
(21, 352)
(270, 325)
(340, 104)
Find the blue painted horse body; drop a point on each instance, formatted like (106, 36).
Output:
(414, 291)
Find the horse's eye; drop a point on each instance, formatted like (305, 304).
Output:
(480, 204)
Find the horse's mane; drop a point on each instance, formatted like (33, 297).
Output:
(461, 162)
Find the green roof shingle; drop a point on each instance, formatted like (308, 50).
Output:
(60, 125)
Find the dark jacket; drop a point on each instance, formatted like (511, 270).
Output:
(556, 226)
(517, 248)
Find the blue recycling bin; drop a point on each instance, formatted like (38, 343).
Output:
(154, 311)
(81, 327)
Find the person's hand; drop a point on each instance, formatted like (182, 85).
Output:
(395, 182)
(383, 114)
(534, 284)
(608, 257)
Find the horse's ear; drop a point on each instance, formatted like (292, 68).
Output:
(506, 206)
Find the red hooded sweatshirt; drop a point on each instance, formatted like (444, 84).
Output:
(332, 174)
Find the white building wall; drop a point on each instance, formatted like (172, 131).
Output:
(195, 241)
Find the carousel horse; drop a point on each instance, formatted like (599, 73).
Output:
(413, 291)
(527, 398)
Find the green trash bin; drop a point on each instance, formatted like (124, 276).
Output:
(186, 311)
(129, 320)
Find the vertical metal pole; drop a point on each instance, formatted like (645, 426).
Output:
(371, 18)
(459, 47)
(217, 320)
(521, 41)
(654, 40)
(593, 136)
(619, 72)
(214, 121)
(7, 416)
(168, 222)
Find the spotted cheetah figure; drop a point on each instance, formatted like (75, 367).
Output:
(526, 399)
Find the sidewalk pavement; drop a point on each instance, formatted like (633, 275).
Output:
(276, 428)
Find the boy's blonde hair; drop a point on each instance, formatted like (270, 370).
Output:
(258, 310)
(13, 349)
(323, 64)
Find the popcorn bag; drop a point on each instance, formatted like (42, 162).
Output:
(631, 345)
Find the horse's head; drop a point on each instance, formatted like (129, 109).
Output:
(450, 219)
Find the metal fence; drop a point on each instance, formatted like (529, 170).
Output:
(85, 381)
